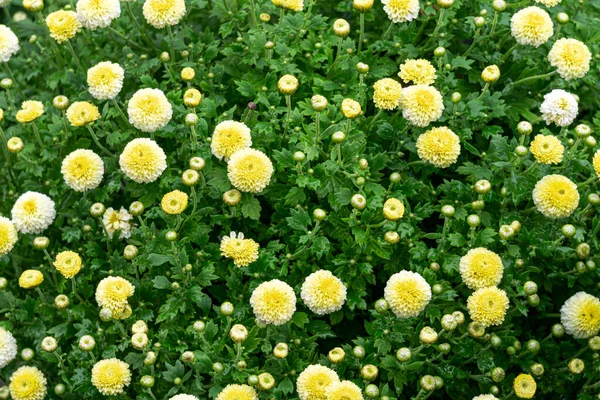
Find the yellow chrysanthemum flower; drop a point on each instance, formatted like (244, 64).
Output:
(596, 163)
(555, 196)
(9, 43)
(229, 137)
(30, 279)
(27, 383)
(68, 263)
(362, 5)
(174, 202)
(439, 146)
(249, 170)
(192, 97)
(82, 170)
(105, 80)
(351, 108)
(63, 25)
(94, 14)
(481, 268)
(323, 292)
(547, 149)
(314, 380)
(30, 111)
(393, 209)
(580, 315)
(294, 5)
(419, 72)
(407, 293)
(33, 212)
(488, 306)
(343, 390)
(143, 160)
(8, 235)
(81, 113)
(273, 302)
(242, 251)
(531, 26)
(111, 376)
(570, 57)
(149, 110)
(421, 104)
(160, 13)
(387, 93)
(112, 292)
(548, 3)
(524, 386)
(238, 392)
(401, 10)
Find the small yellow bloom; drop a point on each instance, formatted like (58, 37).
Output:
(63, 25)
(27, 383)
(188, 74)
(111, 376)
(242, 251)
(30, 111)
(387, 93)
(174, 202)
(81, 113)
(531, 26)
(488, 306)
(229, 137)
(351, 108)
(249, 170)
(524, 386)
(547, 149)
(439, 146)
(407, 293)
(287, 84)
(419, 72)
(555, 196)
(273, 302)
(570, 57)
(490, 74)
(314, 380)
(393, 209)
(68, 263)
(30, 279)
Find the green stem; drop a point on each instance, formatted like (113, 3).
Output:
(494, 22)
(485, 88)
(74, 288)
(7, 157)
(121, 113)
(505, 56)
(253, 12)
(37, 134)
(126, 39)
(438, 25)
(387, 32)
(533, 78)
(475, 38)
(171, 51)
(15, 83)
(288, 102)
(362, 32)
(77, 62)
(317, 128)
(95, 138)
(138, 26)
(195, 201)
(37, 289)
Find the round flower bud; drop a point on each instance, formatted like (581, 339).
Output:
(524, 128)
(6, 83)
(60, 102)
(521, 151)
(568, 230)
(495, 341)
(281, 350)
(530, 287)
(533, 300)
(445, 3)
(27, 354)
(483, 186)
(473, 220)
(139, 327)
(171, 236)
(590, 142)
(562, 18)
(369, 372)
(139, 341)
(434, 266)
(341, 28)
(150, 358)
(15, 145)
(227, 309)
(299, 156)
(437, 289)
(582, 131)
(197, 163)
(576, 366)
(287, 85)
(164, 57)
(61, 301)
(87, 343)
(130, 252)
(359, 352)
(232, 197)
(318, 102)
(403, 354)
(499, 5)
(439, 52)
(444, 348)
(319, 214)
(190, 177)
(191, 119)
(41, 242)
(363, 164)
(476, 329)
(188, 74)
(459, 317)
(439, 382)
(358, 201)
(147, 381)
(362, 68)
(490, 74)
(97, 209)
(105, 314)
(506, 232)
(478, 205)
(594, 343)
(59, 389)
(238, 333)
(583, 250)
(252, 380)
(49, 344)
(338, 137)
(336, 355)
(264, 17)
(448, 211)
(3, 283)
(266, 381)
(427, 383)
(372, 391)
(269, 45)
(188, 356)
(498, 374)
(428, 335)
(136, 208)
(199, 326)
(456, 97)
(533, 346)
(449, 323)
(395, 177)
(479, 22)
(594, 199)
(217, 367)
(537, 369)
(391, 237)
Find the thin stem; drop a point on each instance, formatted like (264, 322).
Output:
(170, 32)
(37, 134)
(126, 39)
(475, 38)
(7, 157)
(317, 129)
(505, 56)
(37, 289)
(74, 288)
(438, 26)
(288, 102)
(15, 83)
(195, 201)
(95, 138)
(194, 138)
(533, 78)
(387, 32)
(253, 12)
(138, 26)
(72, 51)
(362, 32)
(121, 113)
(494, 22)
(485, 88)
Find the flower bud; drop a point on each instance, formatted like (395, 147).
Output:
(428, 335)
(217, 367)
(521, 151)
(427, 383)
(15, 145)
(299, 156)
(190, 177)
(130, 252)
(499, 5)
(61, 301)
(444, 348)
(369, 372)
(445, 3)
(404, 354)
(391, 237)
(439, 52)
(362, 68)
(147, 381)
(136, 208)
(341, 28)
(318, 102)
(238, 333)
(473, 220)
(27, 354)
(524, 128)
(60, 389)
(537, 369)
(362, 5)
(60, 102)
(594, 199)
(171, 236)
(150, 358)
(266, 381)
(372, 391)
(594, 343)
(105, 314)
(476, 329)
(498, 374)
(191, 119)
(449, 323)
(338, 137)
(358, 201)
(287, 85)
(165, 57)
(495, 341)
(576, 366)
(188, 356)
(533, 346)
(490, 74)
(336, 355)
(479, 22)
(568, 230)
(359, 352)
(281, 350)
(139, 341)
(227, 309)
(319, 214)
(483, 186)
(562, 18)
(582, 131)
(197, 163)
(199, 326)
(49, 344)
(459, 317)
(87, 343)
(506, 232)
(456, 97)
(583, 250)
(448, 211)
(188, 74)
(192, 98)
(97, 209)
(41, 242)
(590, 142)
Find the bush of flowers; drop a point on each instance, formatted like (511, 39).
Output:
(288, 199)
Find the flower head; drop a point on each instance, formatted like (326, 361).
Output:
(323, 292)
(555, 196)
(294, 5)
(249, 170)
(393, 209)
(160, 13)
(407, 294)
(105, 80)
(481, 268)
(559, 107)
(174, 202)
(387, 93)
(183, 397)
(531, 26)
(596, 163)
(488, 306)
(143, 160)
(27, 383)
(351, 108)
(287, 84)
(111, 376)
(192, 97)
(229, 137)
(8, 236)
(421, 104)
(82, 170)
(9, 43)
(242, 251)
(273, 302)
(238, 392)
(114, 221)
(33, 212)
(547, 149)
(524, 386)
(112, 292)
(94, 14)
(580, 315)
(419, 72)
(343, 390)
(30, 111)
(548, 3)
(570, 57)
(401, 10)
(149, 110)
(8, 347)
(68, 263)
(362, 5)
(81, 113)
(63, 25)
(485, 397)
(314, 380)
(439, 146)
(30, 279)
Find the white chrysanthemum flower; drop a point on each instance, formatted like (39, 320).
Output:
(407, 293)
(273, 302)
(33, 212)
(323, 292)
(9, 43)
(105, 80)
(114, 220)
(143, 160)
(570, 57)
(531, 26)
(183, 397)
(8, 347)
(581, 315)
(94, 14)
(160, 13)
(149, 110)
(229, 137)
(559, 107)
(401, 10)
(8, 235)
(82, 170)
